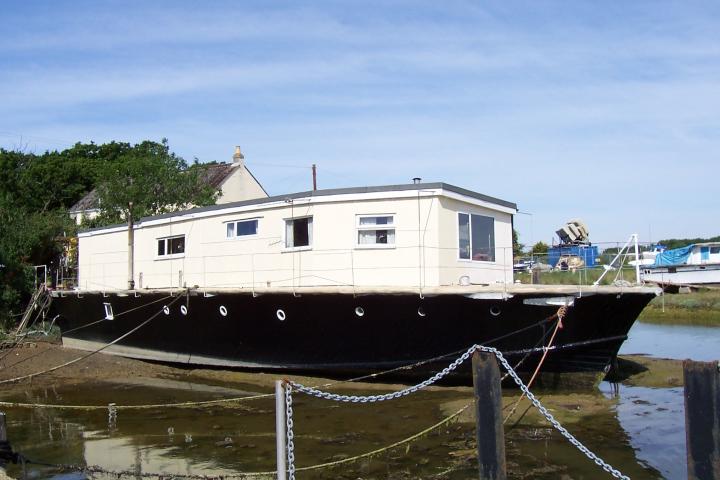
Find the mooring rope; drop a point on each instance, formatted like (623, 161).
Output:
(562, 311)
(527, 352)
(132, 473)
(16, 343)
(58, 367)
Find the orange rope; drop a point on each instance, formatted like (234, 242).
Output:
(562, 311)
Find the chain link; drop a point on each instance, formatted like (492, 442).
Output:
(290, 435)
(290, 385)
(388, 396)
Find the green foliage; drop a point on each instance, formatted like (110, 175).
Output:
(150, 180)
(540, 248)
(37, 190)
(26, 238)
(517, 246)
(683, 242)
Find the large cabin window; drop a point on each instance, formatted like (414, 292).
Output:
(242, 228)
(298, 232)
(476, 237)
(171, 246)
(375, 231)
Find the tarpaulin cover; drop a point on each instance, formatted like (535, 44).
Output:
(676, 256)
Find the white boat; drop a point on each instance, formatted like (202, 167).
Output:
(697, 264)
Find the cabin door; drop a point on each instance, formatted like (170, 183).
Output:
(704, 254)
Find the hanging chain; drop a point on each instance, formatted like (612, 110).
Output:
(289, 385)
(549, 417)
(290, 435)
(389, 396)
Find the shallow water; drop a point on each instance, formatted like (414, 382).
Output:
(700, 343)
(639, 431)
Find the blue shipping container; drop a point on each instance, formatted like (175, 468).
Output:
(588, 253)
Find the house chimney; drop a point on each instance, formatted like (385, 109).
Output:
(238, 157)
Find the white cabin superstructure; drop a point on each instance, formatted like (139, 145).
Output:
(414, 235)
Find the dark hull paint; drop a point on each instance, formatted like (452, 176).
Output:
(322, 332)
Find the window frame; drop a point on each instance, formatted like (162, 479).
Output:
(166, 240)
(374, 227)
(470, 238)
(242, 220)
(311, 239)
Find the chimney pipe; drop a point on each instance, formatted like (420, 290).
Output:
(238, 157)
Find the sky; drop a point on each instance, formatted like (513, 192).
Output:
(608, 112)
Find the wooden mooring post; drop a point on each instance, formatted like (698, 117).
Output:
(488, 416)
(702, 419)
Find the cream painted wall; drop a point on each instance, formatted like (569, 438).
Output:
(241, 185)
(213, 261)
(499, 271)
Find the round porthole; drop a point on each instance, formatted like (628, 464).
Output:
(280, 315)
(223, 311)
(494, 311)
(359, 311)
(183, 309)
(421, 311)
(166, 310)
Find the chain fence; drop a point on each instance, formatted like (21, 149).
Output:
(289, 386)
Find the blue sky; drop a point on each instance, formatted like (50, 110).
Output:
(603, 111)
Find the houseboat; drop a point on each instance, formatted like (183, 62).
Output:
(338, 282)
(693, 265)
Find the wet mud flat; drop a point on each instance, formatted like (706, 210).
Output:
(238, 436)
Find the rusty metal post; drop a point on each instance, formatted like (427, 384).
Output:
(488, 416)
(702, 419)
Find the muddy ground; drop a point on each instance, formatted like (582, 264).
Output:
(36, 357)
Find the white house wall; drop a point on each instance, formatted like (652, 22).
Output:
(241, 185)
(424, 256)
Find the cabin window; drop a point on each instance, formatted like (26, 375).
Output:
(298, 232)
(476, 237)
(375, 230)
(242, 228)
(714, 250)
(171, 246)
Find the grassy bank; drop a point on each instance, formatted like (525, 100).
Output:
(696, 308)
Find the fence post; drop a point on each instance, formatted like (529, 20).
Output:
(280, 430)
(488, 416)
(702, 419)
(5, 449)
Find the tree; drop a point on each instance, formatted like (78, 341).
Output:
(517, 246)
(149, 180)
(36, 191)
(540, 248)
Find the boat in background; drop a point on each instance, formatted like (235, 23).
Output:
(694, 265)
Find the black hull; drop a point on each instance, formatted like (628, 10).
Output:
(324, 333)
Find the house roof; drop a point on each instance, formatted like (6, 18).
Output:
(214, 175)
(332, 191)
